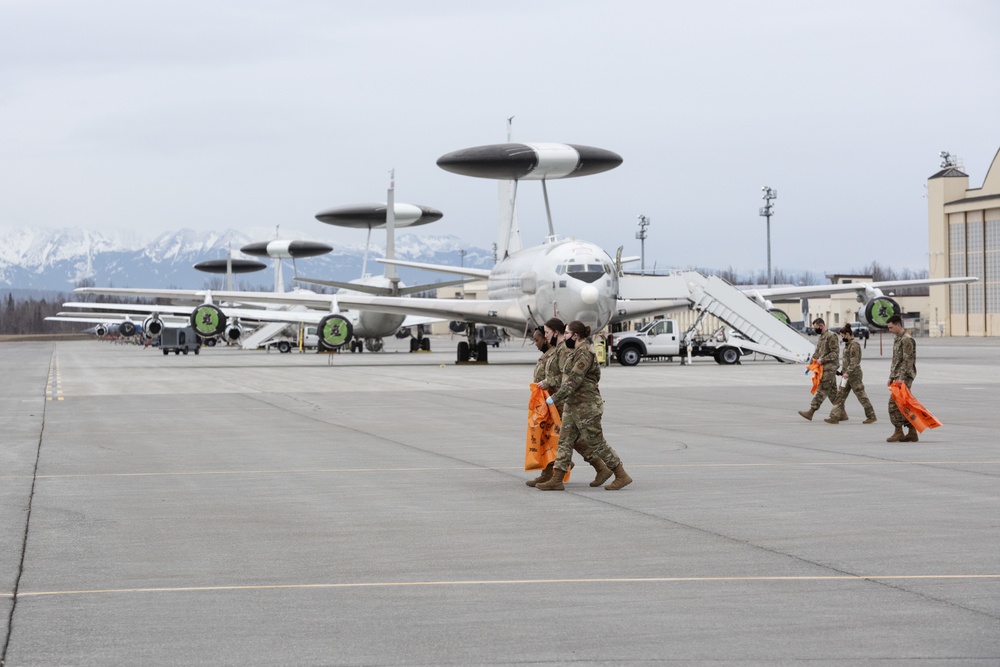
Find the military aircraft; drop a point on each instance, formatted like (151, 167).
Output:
(562, 277)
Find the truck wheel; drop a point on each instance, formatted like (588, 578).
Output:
(629, 356)
(284, 347)
(166, 352)
(728, 356)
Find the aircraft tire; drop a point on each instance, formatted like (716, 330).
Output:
(425, 344)
(482, 351)
(463, 351)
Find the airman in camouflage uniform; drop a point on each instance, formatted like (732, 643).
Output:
(583, 409)
(557, 362)
(850, 370)
(828, 354)
(903, 369)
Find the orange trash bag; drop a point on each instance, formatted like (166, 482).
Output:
(912, 409)
(817, 371)
(544, 424)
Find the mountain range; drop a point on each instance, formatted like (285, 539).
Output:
(41, 260)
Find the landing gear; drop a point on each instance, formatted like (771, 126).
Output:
(419, 343)
(472, 350)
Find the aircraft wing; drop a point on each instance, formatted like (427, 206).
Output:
(481, 274)
(807, 291)
(382, 291)
(129, 308)
(501, 312)
(292, 315)
(675, 286)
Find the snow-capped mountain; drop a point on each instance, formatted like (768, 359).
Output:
(60, 259)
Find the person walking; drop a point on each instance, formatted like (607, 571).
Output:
(903, 369)
(556, 364)
(582, 412)
(828, 354)
(850, 371)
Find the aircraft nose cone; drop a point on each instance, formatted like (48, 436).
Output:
(589, 294)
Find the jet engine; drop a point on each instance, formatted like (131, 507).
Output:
(208, 320)
(152, 326)
(101, 330)
(234, 332)
(780, 315)
(127, 328)
(334, 331)
(876, 312)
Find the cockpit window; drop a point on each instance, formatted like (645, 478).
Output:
(588, 273)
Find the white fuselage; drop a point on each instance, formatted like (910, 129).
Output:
(369, 323)
(564, 278)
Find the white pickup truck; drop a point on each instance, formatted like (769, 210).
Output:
(663, 339)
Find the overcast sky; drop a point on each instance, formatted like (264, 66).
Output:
(221, 114)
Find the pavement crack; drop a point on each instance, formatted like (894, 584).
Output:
(24, 539)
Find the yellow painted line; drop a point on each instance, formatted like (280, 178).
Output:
(648, 466)
(304, 471)
(511, 582)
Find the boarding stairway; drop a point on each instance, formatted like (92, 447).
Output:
(762, 331)
(262, 334)
(765, 333)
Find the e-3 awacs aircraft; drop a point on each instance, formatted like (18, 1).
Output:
(566, 278)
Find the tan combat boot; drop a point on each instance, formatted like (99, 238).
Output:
(545, 476)
(911, 435)
(603, 471)
(871, 420)
(896, 436)
(554, 484)
(834, 418)
(808, 414)
(621, 479)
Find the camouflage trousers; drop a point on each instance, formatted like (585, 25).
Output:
(827, 388)
(583, 429)
(895, 414)
(855, 384)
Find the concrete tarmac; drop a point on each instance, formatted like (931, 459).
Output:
(246, 508)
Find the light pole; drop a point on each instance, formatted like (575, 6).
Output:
(766, 212)
(641, 235)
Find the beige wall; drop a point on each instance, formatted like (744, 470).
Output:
(964, 239)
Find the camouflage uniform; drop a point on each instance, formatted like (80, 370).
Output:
(851, 370)
(903, 369)
(582, 409)
(827, 353)
(543, 362)
(557, 357)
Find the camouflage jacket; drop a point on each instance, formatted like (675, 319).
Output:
(827, 350)
(580, 378)
(543, 362)
(904, 359)
(852, 359)
(554, 366)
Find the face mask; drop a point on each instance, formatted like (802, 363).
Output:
(554, 340)
(545, 347)
(570, 343)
